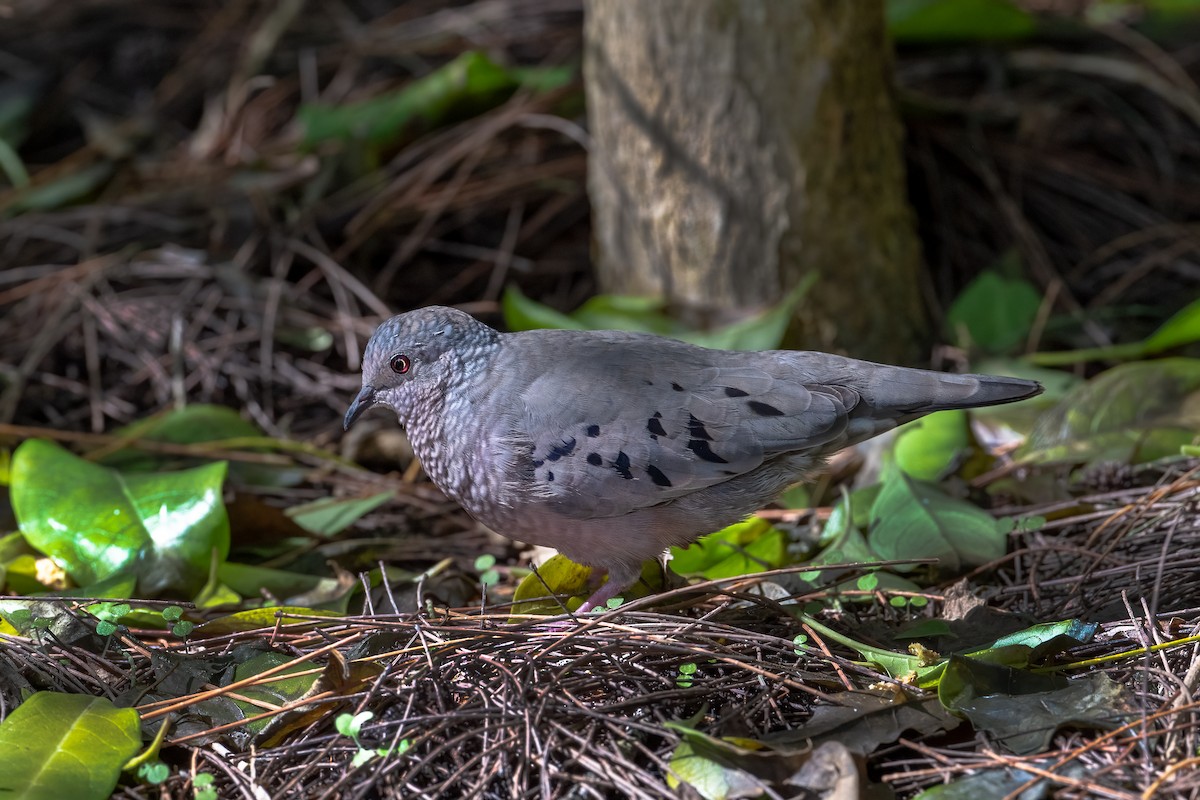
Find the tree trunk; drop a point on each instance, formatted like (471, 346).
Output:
(738, 144)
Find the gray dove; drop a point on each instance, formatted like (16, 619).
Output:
(612, 446)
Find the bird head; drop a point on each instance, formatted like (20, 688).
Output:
(412, 356)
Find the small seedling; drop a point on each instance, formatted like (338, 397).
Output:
(202, 786)
(351, 725)
(611, 604)
(868, 582)
(486, 566)
(109, 616)
(180, 627)
(687, 673)
(154, 772)
(801, 644)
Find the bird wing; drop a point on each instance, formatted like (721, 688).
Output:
(621, 422)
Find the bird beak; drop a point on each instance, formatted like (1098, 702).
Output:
(365, 399)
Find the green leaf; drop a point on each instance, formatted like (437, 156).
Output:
(1023, 709)
(56, 746)
(257, 618)
(744, 548)
(290, 588)
(97, 523)
(471, 82)
(329, 517)
(63, 190)
(522, 313)
(763, 331)
(994, 313)
(911, 519)
(197, 425)
(1182, 328)
(927, 448)
(566, 578)
(957, 20)
(1132, 413)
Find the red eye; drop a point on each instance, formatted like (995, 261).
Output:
(399, 364)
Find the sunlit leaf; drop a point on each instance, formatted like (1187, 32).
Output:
(744, 548)
(563, 578)
(56, 746)
(927, 448)
(96, 522)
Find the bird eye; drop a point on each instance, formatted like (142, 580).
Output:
(399, 364)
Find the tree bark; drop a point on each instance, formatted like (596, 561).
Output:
(738, 144)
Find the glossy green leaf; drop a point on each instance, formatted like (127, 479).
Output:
(911, 519)
(927, 448)
(745, 548)
(957, 20)
(96, 522)
(994, 313)
(330, 516)
(56, 746)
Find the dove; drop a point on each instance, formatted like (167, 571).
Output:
(611, 446)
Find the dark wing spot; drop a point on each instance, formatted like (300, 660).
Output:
(764, 409)
(655, 427)
(697, 430)
(657, 476)
(647, 382)
(537, 464)
(549, 475)
(593, 430)
(621, 465)
(732, 392)
(676, 386)
(559, 450)
(594, 459)
(702, 450)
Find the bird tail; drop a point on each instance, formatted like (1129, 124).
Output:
(920, 392)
